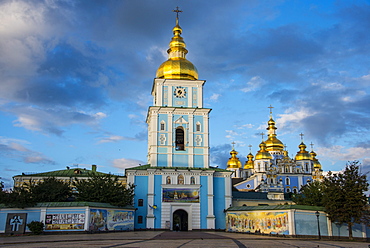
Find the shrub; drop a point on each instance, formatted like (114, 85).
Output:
(36, 227)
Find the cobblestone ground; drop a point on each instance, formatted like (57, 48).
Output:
(168, 239)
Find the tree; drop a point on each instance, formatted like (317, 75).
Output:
(310, 194)
(344, 198)
(17, 198)
(107, 189)
(50, 190)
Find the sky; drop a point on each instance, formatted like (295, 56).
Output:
(76, 78)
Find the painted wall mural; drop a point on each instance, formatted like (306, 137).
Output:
(260, 222)
(109, 220)
(180, 195)
(70, 221)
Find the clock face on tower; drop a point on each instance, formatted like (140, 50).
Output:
(179, 92)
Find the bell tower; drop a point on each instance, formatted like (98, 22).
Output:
(178, 134)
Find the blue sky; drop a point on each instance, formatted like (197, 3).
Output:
(76, 78)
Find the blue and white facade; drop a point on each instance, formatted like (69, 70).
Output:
(178, 188)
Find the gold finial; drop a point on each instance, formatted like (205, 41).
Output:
(250, 148)
(233, 144)
(301, 134)
(285, 147)
(270, 110)
(177, 10)
(311, 146)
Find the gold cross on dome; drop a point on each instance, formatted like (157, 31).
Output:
(301, 134)
(177, 10)
(311, 146)
(270, 109)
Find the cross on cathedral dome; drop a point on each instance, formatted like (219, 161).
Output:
(177, 66)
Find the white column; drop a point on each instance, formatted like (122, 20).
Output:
(300, 182)
(170, 96)
(206, 140)
(191, 141)
(190, 97)
(228, 191)
(291, 221)
(150, 217)
(87, 219)
(210, 215)
(170, 139)
(43, 215)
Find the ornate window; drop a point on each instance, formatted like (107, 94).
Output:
(163, 126)
(287, 181)
(197, 127)
(180, 179)
(192, 180)
(168, 180)
(180, 139)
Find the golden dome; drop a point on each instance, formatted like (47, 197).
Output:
(303, 154)
(273, 143)
(234, 162)
(177, 66)
(316, 163)
(249, 164)
(262, 153)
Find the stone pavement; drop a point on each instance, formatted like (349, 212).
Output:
(168, 239)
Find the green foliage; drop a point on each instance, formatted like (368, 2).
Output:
(105, 189)
(344, 198)
(17, 198)
(50, 190)
(310, 194)
(36, 227)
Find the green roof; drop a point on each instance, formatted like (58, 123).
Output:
(76, 204)
(64, 173)
(147, 166)
(276, 207)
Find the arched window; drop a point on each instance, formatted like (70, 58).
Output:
(192, 180)
(295, 191)
(163, 125)
(272, 181)
(287, 181)
(180, 179)
(197, 127)
(288, 190)
(180, 146)
(168, 180)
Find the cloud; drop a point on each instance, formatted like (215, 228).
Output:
(114, 138)
(124, 163)
(214, 97)
(253, 84)
(17, 151)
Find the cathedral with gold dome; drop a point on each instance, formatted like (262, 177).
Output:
(272, 170)
(178, 189)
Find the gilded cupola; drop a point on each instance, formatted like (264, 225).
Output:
(302, 154)
(262, 153)
(316, 163)
(234, 161)
(273, 143)
(249, 164)
(177, 66)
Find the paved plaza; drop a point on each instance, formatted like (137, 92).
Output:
(169, 239)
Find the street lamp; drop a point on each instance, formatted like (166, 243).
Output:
(318, 223)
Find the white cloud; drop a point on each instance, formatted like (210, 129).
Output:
(291, 120)
(113, 138)
(253, 84)
(124, 163)
(214, 97)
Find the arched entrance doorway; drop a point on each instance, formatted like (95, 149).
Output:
(180, 217)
